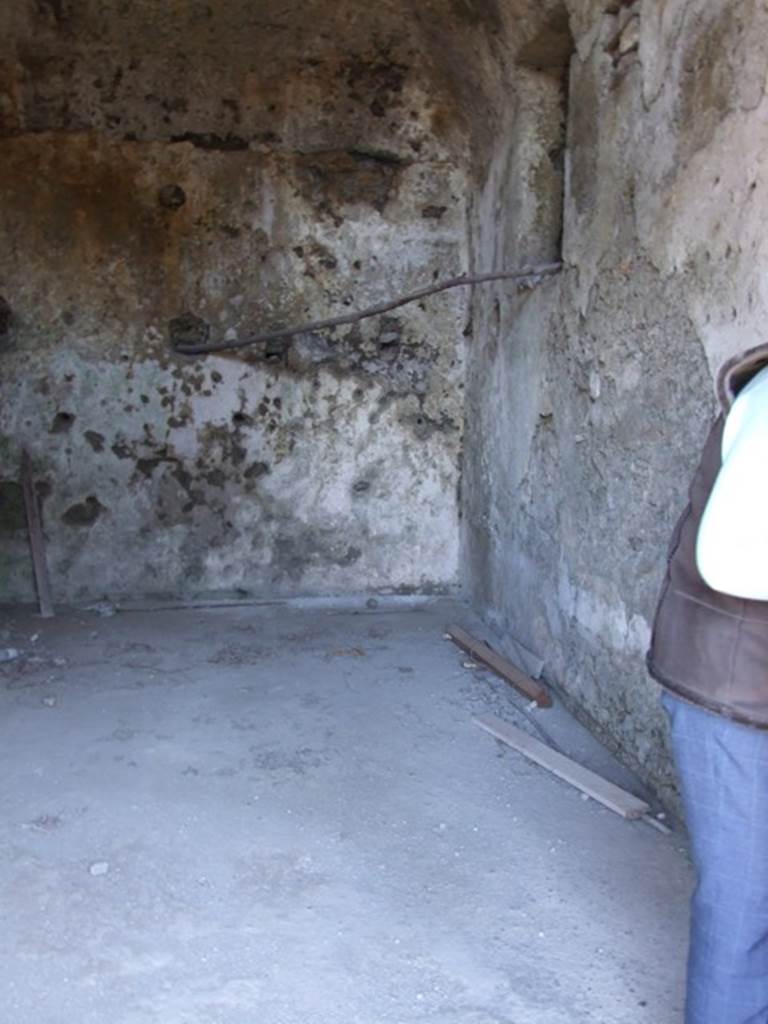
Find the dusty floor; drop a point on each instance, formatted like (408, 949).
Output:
(284, 815)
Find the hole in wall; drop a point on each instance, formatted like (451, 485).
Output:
(62, 423)
(84, 513)
(172, 197)
(6, 317)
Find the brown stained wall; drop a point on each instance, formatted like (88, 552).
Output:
(251, 166)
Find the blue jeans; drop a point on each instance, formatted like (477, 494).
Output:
(723, 770)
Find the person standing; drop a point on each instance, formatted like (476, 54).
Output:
(709, 651)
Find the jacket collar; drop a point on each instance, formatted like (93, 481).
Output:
(737, 372)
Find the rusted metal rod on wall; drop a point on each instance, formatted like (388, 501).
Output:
(528, 275)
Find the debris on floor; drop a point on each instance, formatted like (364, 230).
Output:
(106, 609)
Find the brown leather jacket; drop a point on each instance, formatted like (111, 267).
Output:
(709, 647)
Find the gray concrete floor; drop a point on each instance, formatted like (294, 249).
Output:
(284, 815)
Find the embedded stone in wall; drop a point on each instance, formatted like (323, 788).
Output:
(332, 181)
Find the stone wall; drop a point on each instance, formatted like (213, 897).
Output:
(245, 169)
(588, 400)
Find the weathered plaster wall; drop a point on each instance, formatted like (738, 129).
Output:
(588, 400)
(253, 166)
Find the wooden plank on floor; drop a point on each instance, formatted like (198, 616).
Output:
(501, 665)
(595, 786)
(36, 540)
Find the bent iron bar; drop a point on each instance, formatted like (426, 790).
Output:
(529, 276)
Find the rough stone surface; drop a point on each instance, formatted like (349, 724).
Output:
(201, 175)
(285, 814)
(588, 401)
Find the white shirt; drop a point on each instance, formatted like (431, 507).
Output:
(732, 543)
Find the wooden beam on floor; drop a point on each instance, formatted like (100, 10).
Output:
(595, 786)
(502, 666)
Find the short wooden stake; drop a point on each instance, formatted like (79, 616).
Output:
(36, 541)
(500, 665)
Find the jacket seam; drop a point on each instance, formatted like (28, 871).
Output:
(741, 618)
